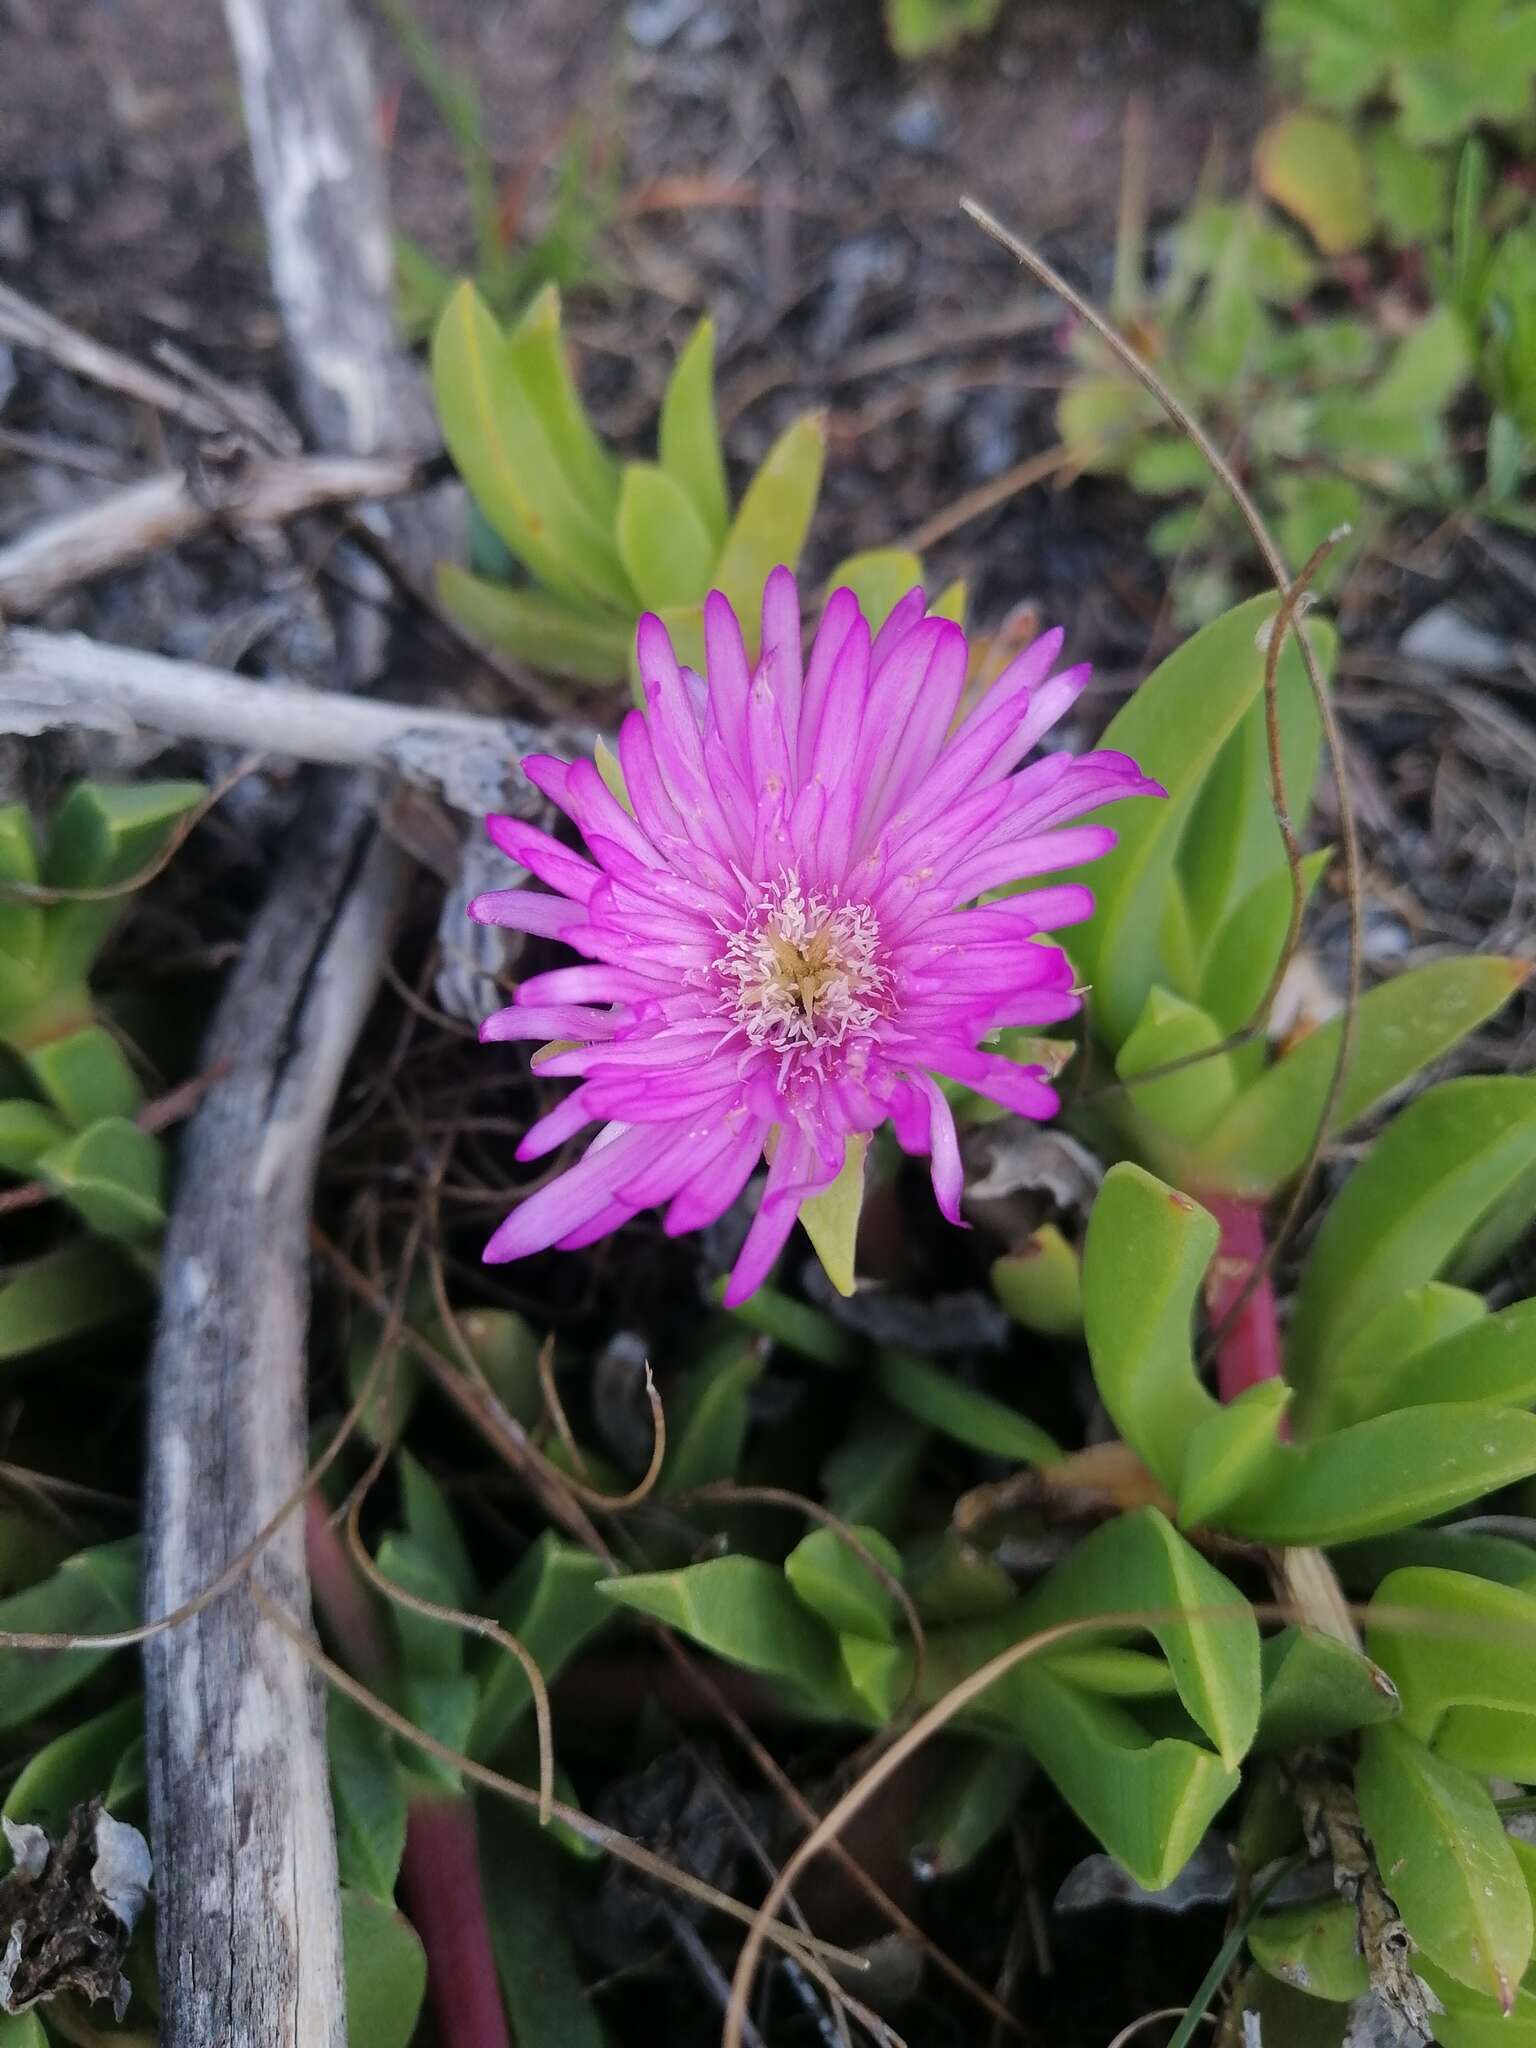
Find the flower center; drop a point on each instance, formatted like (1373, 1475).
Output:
(803, 970)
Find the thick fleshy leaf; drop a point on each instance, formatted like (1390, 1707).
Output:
(962, 1412)
(1317, 1689)
(1367, 1373)
(1233, 844)
(1176, 1109)
(1462, 1651)
(689, 439)
(773, 518)
(1490, 1358)
(665, 547)
(1245, 951)
(743, 1610)
(1175, 726)
(1458, 1155)
(870, 1474)
(1314, 1946)
(951, 1580)
(104, 835)
(91, 1592)
(86, 1075)
(1146, 1250)
(386, 1972)
(1401, 1028)
(430, 1521)
(1228, 1453)
(550, 1604)
(707, 1417)
(27, 1130)
(1041, 1284)
(368, 1794)
(971, 1802)
(1387, 1473)
(76, 1766)
(430, 1648)
(1148, 1800)
(515, 463)
(879, 578)
(546, 1996)
(570, 638)
(1442, 1847)
(834, 1582)
(113, 1176)
(83, 1287)
(1203, 1626)
(831, 1219)
(537, 359)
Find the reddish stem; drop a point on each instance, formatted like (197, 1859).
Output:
(1242, 1312)
(440, 1871)
(440, 1880)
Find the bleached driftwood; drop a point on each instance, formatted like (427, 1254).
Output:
(52, 681)
(165, 510)
(248, 1916)
(29, 326)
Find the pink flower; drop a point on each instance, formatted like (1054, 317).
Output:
(782, 945)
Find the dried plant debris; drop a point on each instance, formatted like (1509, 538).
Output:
(68, 1909)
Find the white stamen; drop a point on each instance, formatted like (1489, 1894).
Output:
(804, 971)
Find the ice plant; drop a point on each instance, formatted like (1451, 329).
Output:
(782, 937)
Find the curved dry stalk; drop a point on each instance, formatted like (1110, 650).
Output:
(805, 1950)
(1147, 2019)
(470, 1624)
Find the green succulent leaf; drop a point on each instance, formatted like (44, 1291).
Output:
(1317, 1689)
(86, 1075)
(1401, 1028)
(368, 1794)
(835, 1583)
(1176, 726)
(963, 1413)
(547, 1999)
(80, 1288)
(972, 1801)
(1180, 1107)
(104, 837)
(665, 547)
(1463, 1153)
(536, 357)
(1387, 1473)
(1442, 1848)
(830, 1219)
(386, 1972)
(951, 1580)
(1372, 1365)
(773, 517)
(1461, 1651)
(91, 1593)
(518, 461)
(1489, 1358)
(919, 28)
(1314, 1946)
(113, 1176)
(743, 1610)
(879, 578)
(430, 1648)
(567, 638)
(1228, 1453)
(76, 1766)
(690, 434)
(1145, 1252)
(27, 1131)
(552, 1606)
(869, 1476)
(1203, 1626)
(707, 1418)
(1041, 1284)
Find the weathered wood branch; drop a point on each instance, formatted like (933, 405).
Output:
(31, 327)
(165, 510)
(53, 681)
(248, 1916)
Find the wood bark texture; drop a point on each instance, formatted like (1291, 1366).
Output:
(248, 1916)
